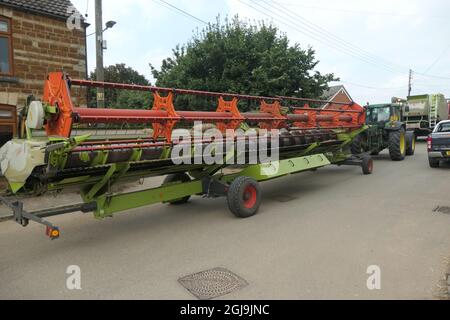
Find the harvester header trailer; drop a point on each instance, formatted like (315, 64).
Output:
(309, 138)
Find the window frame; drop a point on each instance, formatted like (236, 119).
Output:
(442, 126)
(8, 36)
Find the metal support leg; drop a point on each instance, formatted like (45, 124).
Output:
(24, 217)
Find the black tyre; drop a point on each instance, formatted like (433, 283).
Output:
(177, 177)
(356, 146)
(367, 165)
(434, 163)
(244, 197)
(410, 143)
(397, 145)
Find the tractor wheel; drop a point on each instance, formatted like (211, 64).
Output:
(177, 177)
(356, 146)
(367, 165)
(244, 197)
(434, 163)
(410, 143)
(397, 145)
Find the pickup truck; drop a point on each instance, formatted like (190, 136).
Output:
(438, 143)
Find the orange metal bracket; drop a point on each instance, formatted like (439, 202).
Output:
(57, 93)
(166, 126)
(230, 107)
(274, 109)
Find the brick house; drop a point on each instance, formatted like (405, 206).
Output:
(336, 94)
(34, 40)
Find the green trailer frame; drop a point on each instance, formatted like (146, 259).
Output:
(205, 180)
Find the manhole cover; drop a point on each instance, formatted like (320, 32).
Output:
(212, 283)
(444, 210)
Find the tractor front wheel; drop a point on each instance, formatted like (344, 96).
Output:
(177, 177)
(244, 197)
(397, 145)
(410, 143)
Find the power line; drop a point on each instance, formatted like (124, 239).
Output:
(437, 60)
(316, 32)
(334, 39)
(432, 84)
(308, 33)
(395, 14)
(313, 34)
(432, 76)
(183, 12)
(321, 39)
(422, 74)
(371, 87)
(330, 35)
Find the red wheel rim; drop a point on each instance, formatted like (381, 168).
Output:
(249, 197)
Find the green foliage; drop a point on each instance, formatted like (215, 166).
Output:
(120, 73)
(238, 57)
(133, 100)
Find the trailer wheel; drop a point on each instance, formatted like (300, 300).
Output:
(244, 197)
(177, 177)
(367, 165)
(397, 145)
(410, 143)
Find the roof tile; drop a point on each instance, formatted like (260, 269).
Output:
(50, 7)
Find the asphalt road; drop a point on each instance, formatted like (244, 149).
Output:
(314, 238)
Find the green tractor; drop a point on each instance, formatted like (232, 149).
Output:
(386, 131)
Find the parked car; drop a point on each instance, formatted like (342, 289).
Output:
(439, 144)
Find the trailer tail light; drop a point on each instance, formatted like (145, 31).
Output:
(52, 233)
(430, 143)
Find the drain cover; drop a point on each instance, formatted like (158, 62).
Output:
(212, 283)
(439, 209)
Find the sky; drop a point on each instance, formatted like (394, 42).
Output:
(370, 45)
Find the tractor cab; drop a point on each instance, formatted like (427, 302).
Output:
(383, 114)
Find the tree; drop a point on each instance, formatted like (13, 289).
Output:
(124, 99)
(127, 99)
(242, 58)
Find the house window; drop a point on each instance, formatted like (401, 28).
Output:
(6, 65)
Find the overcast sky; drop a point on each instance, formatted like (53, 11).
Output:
(369, 45)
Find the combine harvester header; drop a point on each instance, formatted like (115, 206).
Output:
(302, 137)
(163, 116)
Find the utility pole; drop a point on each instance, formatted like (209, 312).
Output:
(100, 72)
(410, 82)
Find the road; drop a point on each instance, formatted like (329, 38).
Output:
(314, 238)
